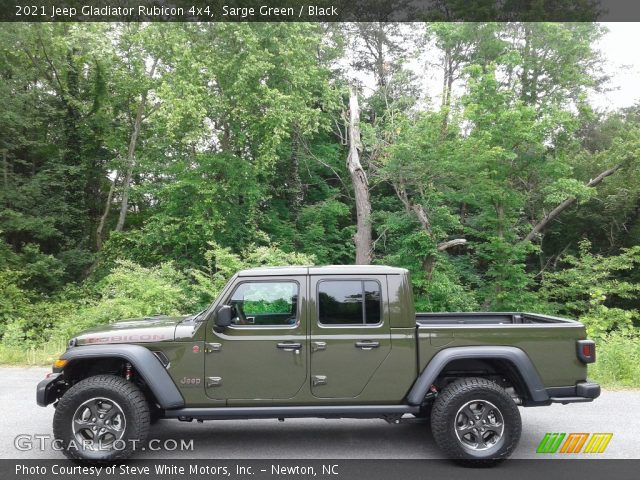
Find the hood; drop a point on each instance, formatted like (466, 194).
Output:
(143, 330)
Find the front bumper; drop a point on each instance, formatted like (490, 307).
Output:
(581, 392)
(47, 390)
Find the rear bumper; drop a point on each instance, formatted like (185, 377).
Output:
(581, 392)
(47, 390)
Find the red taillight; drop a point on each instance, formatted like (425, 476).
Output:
(586, 350)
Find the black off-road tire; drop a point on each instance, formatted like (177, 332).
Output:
(447, 428)
(130, 401)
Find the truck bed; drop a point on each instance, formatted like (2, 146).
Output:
(486, 318)
(548, 341)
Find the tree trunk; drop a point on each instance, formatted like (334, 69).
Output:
(296, 190)
(126, 185)
(5, 169)
(456, 242)
(418, 209)
(380, 67)
(429, 261)
(566, 203)
(105, 215)
(447, 81)
(131, 152)
(524, 76)
(360, 184)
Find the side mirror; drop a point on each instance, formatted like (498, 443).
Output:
(223, 318)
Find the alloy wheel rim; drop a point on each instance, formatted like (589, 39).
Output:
(479, 425)
(98, 424)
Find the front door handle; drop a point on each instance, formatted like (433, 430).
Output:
(367, 345)
(289, 347)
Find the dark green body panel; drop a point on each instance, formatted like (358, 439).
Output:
(551, 348)
(244, 365)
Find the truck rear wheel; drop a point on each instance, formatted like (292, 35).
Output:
(474, 419)
(101, 418)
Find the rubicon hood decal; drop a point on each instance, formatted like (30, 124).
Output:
(156, 329)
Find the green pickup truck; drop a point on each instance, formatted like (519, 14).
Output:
(327, 342)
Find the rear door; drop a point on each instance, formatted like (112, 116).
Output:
(350, 333)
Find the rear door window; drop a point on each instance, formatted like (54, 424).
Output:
(349, 302)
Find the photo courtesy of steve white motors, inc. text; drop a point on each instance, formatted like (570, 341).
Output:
(168, 11)
(168, 469)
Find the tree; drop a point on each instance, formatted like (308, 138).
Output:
(360, 184)
(169, 141)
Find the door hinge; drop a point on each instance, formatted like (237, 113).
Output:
(212, 347)
(317, 346)
(319, 380)
(214, 382)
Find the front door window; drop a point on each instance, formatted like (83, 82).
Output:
(265, 304)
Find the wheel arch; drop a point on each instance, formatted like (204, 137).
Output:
(518, 367)
(145, 363)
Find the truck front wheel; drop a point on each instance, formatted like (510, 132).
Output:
(101, 418)
(474, 419)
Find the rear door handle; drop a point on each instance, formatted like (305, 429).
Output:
(289, 347)
(317, 346)
(367, 345)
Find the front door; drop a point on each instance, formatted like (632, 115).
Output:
(262, 355)
(350, 334)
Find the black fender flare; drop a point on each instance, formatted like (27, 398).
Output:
(143, 361)
(517, 357)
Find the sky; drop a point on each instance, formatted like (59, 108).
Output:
(620, 48)
(621, 51)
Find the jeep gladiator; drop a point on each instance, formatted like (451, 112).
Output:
(327, 342)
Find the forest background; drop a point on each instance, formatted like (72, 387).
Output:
(143, 164)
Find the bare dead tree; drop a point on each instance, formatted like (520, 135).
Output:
(362, 238)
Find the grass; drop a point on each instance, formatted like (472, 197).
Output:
(43, 355)
(617, 362)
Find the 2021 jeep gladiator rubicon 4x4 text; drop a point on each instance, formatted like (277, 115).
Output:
(328, 342)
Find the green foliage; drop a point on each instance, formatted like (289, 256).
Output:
(326, 232)
(239, 161)
(44, 273)
(13, 299)
(508, 286)
(130, 291)
(591, 288)
(618, 362)
(445, 291)
(564, 188)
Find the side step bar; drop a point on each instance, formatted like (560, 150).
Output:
(333, 411)
(565, 400)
